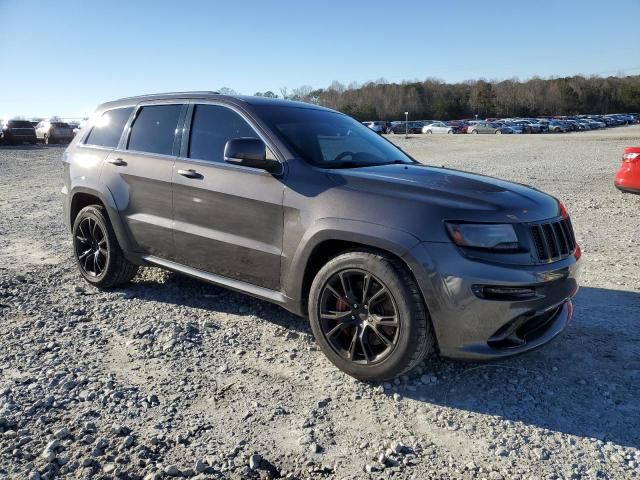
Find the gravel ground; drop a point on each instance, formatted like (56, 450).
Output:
(170, 377)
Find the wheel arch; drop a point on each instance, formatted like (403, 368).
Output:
(84, 195)
(330, 238)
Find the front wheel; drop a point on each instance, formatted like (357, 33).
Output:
(99, 258)
(498, 132)
(475, 132)
(368, 316)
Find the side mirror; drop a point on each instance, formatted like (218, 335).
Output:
(249, 152)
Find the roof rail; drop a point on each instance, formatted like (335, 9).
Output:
(173, 94)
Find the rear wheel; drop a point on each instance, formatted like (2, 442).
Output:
(97, 253)
(368, 317)
(498, 132)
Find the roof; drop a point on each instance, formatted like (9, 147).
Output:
(209, 95)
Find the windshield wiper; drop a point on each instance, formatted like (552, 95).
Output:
(395, 162)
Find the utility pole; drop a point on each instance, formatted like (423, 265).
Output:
(406, 124)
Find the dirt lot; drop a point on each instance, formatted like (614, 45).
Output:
(171, 377)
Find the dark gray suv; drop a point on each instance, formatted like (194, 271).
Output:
(307, 208)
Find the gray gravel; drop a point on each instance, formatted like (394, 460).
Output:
(171, 378)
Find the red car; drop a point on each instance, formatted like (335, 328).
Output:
(628, 177)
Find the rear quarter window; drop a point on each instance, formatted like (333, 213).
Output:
(108, 129)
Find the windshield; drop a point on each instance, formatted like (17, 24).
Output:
(329, 139)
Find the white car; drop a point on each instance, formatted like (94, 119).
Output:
(378, 127)
(438, 127)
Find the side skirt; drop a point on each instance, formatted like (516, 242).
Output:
(242, 287)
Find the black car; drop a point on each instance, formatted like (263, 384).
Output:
(17, 132)
(402, 127)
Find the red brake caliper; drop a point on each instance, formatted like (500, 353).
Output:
(341, 305)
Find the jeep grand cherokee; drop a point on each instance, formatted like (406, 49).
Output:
(305, 207)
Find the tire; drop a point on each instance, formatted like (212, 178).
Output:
(475, 132)
(117, 270)
(429, 132)
(45, 139)
(449, 131)
(395, 288)
(498, 132)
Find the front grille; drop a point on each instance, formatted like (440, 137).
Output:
(553, 240)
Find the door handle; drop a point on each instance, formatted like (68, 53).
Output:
(189, 173)
(118, 162)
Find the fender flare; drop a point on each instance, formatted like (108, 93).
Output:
(396, 242)
(106, 198)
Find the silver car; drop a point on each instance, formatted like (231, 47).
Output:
(54, 131)
(438, 127)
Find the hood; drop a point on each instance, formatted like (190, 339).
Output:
(466, 196)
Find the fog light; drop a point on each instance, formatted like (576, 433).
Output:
(504, 293)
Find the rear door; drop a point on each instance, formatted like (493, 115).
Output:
(228, 219)
(138, 174)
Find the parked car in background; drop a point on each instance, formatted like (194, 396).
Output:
(528, 126)
(555, 126)
(53, 131)
(509, 127)
(628, 177)
(595, 123)
(378, 251)
(377, 126)
(77, 126)
(459, 126)
(438, 127)
(400, 127)
(13, 132)
(486, 127)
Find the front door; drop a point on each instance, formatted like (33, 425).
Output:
(228, 219)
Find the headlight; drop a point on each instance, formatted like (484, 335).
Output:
(491, 236)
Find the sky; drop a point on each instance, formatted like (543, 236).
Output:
(65, 57)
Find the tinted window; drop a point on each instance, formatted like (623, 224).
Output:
(211, 128)
(154, 129)
(329, 139)
(108, 129)
(19, 124)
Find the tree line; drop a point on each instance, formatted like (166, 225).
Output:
(434, 99)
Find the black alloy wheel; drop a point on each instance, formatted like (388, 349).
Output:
(91, 247)
(359, 317)
(99, 257)
(368, 316)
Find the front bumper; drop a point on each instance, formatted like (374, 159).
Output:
(470, 327)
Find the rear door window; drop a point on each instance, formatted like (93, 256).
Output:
(212, 126)
(108, 129)
(154, 129)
